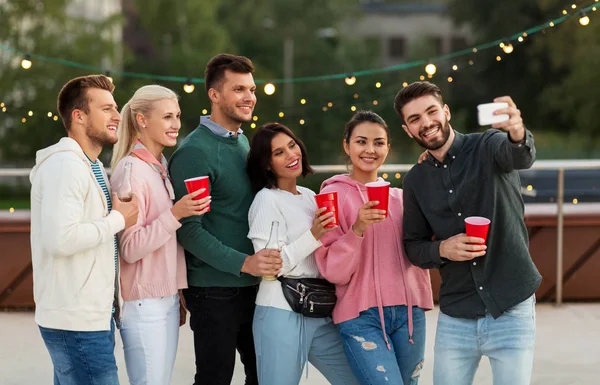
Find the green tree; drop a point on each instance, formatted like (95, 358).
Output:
(50, 28)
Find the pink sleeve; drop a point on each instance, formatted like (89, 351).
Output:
(339, 256)
(143, 238)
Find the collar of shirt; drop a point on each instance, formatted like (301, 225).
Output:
(217, 129)
(457, 145)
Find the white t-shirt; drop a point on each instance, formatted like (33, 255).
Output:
(295, 214)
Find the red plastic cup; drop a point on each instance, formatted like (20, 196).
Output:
(195, 184)
(379, 191)
(477, 227)
(329, 201)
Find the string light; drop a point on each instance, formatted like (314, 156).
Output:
(281, 114)
(551, 24)
(508, 48)
(255, 118)
(564, 12)
(525, 34)
(397, 175)
(384, 175)
(498, 58)
(474, 50)
(302, 101)
(269, 89)
(23, 120)
(189, 87)
(520, 39)
(422, 77)
(253, 125)
(353, 108)
(30, 113)
(350, 80)
(455, 67)
(330, 104)
(355, 96)
(324, 108)
(55, 118)
(301, 121)
(2, 104)
(471, 62)
(573, 6)
(378, 85)
(11, 210)
(204, 111)
(405, 84)
(375, 102)
(3, 109)
(49, 114)
(450, 80)
(26, 62)
(430, 69)
(575, 201)
(584, 20)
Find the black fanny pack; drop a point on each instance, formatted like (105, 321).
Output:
(311, 297)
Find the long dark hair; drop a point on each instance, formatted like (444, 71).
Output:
(258, 165)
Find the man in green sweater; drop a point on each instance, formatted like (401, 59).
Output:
(222, 267)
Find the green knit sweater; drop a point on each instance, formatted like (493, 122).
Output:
(216, 243)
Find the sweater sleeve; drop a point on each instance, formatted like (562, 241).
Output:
(264, 210)
(339, 257)
(143, 238)
(189, 162)
(64, 232)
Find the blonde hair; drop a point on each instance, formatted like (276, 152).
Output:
(142, 102)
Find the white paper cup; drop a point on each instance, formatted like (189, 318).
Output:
(485, 113)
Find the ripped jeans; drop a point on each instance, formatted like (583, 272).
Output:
(368, 355)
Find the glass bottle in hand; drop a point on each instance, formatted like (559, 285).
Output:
(273, 243)
(125, 189)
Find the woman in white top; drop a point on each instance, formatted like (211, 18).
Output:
(285, 340)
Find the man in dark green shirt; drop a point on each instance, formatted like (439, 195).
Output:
(223, 271)
(487, 294)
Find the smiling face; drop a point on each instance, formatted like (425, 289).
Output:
(235, 97)
(102, 119)
(427, 121)
(367, 147)
(162, 124)
(286, 157)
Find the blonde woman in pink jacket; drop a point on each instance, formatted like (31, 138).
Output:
(382, 297)
(152, 264)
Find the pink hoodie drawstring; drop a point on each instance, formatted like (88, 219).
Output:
(376, 276)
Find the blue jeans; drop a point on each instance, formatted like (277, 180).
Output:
(507, 341)
(368, 355)
(82, 357)
(285, 340)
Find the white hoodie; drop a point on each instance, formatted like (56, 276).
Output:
(72, 241)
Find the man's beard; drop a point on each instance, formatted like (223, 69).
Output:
(229, 111)
(432, 146)
(99, 139)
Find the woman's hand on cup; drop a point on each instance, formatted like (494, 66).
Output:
(187, 206)
(321, 220)
(367, 215)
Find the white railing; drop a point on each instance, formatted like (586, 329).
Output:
(558, 165)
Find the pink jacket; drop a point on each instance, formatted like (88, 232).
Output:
(152, 263)
(373, 270)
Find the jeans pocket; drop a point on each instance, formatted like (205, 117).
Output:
(222, 293)
(57, 347)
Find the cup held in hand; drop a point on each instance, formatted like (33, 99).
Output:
(194, 184)
(379, 191)
(477, 227)
(330, 202)
(485, 113)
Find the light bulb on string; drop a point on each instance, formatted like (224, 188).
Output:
(253, 125)
(455, 67)
(584, 19)
(573, 6)
(302, 101)
(520, 39)
(350, 80)
(551, 24)
(405, 84)
(353, 108)
(301, 121)
(498, 58)
(2, 104)
(269, 89)
(26, 62)
(450, 80)
(255, 118)
(189, 87)
(30, 113)
(430, 69)
(508, 48)
(49, 114)
(422, 77)
(355, 96)
(378, 85)
(204, 111)
(281, 114)
(564, 12)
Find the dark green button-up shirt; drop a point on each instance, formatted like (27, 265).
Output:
(478, 177)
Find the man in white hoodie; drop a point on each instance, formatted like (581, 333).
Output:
(74, 221)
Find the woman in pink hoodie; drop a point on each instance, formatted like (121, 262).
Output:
(382, 297)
